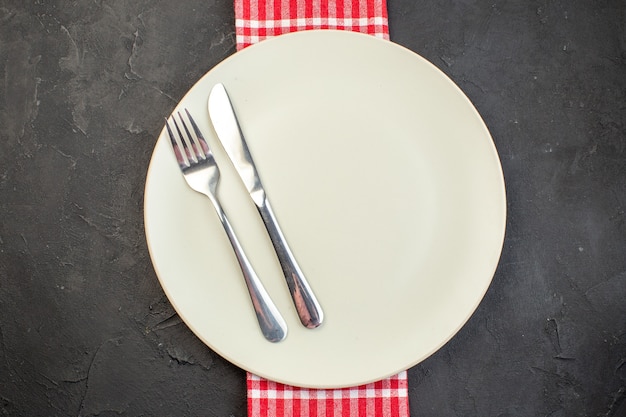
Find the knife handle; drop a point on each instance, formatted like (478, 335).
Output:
(307, 306)
(272, 324)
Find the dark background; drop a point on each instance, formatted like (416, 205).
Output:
(85, 328)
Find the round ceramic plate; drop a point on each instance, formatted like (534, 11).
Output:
(387, 186)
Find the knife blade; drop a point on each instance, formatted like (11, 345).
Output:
(229, 133)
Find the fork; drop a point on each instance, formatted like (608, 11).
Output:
(202, 174)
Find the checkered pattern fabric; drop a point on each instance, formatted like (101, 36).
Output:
(256, 20)
(386, 398)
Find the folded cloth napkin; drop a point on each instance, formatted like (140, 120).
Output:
(256, 20)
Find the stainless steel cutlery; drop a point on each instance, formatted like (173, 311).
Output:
(202, 174)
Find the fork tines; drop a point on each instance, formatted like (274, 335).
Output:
(194, 146)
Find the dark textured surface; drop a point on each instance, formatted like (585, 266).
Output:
(85, 328)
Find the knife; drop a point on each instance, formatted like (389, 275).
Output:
(226, 126)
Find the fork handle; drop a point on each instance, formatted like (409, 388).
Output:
(307, 306)
(272, 324)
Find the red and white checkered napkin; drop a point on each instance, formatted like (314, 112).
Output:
(386, 398)
(256, 20)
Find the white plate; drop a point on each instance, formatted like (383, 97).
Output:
(388, 188)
